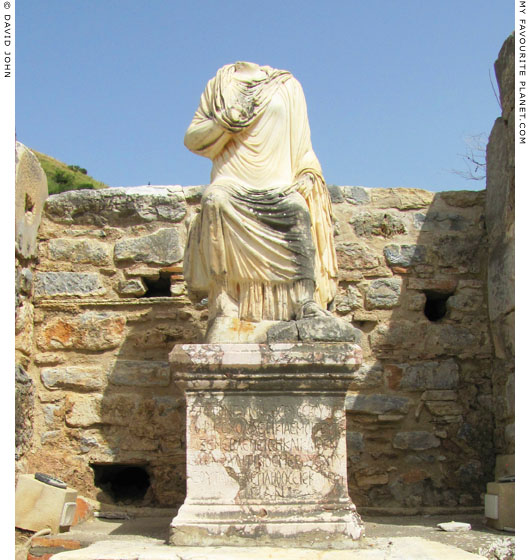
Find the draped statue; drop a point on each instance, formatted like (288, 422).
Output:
(261, 247)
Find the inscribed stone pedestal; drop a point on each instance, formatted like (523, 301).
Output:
(266, 445)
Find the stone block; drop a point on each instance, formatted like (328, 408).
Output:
(463, 252)
(430, 375)
(415, 441)
(137, 373)
(443, 408)
(379, 224)
(367, 376)
(163, 247)
(335, 193)
(327, 329)
(439, 395)
(401, 198)
(68, 284)
(133, 287)
(348, 300)
(463, 199)
(355, 195)
(501, 280)
(86, 251)
(282, 331)
(405, 255)
(354, 256)
(88, 331)
(80, 378)
(376, 404)
(383, 293)
(118, 206)
(355, 442)
(119, 409)
(39, 505)
(83, 411)
(437, 221)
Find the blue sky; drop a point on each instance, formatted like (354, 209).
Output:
(393, 88)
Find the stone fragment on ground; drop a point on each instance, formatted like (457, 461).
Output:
(454, 526)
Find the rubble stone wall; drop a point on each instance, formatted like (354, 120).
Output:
(110, 304)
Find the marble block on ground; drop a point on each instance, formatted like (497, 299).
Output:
(266, 445)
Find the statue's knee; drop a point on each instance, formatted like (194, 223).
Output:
(214, 198)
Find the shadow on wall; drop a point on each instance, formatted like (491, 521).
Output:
(413, 279)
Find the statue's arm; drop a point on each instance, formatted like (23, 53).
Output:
(204, 136)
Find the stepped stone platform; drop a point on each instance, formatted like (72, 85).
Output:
(389, 538)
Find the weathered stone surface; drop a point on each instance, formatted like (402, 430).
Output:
(368, 224)
(327, 329)
(439, 395)
(501, 279)
(500, 218)
(24, 280)
(162, 247)
(376, 404)
(367, 376)
(354, 256)
(348, 300)
(383, 294)
(437, 221)
(133, 287)
(443, 408)
(136, 373)
(466, 300)
(24, 318)
(417, 441)
(463, 199)
(282, 331)
(24, 408)
(404, 255)
(118, 206)
(400, 198)
(465, 253)
(430, 375)
(68, 284)
(355, 195)
(80, 378)
(252, 450)
(83, 411)
(355, 442)
(79, 251)
(31, 190)
(88, 331)
(335, 193)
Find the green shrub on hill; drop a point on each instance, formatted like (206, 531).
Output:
(62, 177)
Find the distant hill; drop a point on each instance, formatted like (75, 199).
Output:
(62, 177)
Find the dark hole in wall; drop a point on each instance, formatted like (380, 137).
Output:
(160, 287)
(436, 305)
(122, 483)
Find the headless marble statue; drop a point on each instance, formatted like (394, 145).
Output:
(261, 247)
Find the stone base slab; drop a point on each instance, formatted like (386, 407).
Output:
(400, 548)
